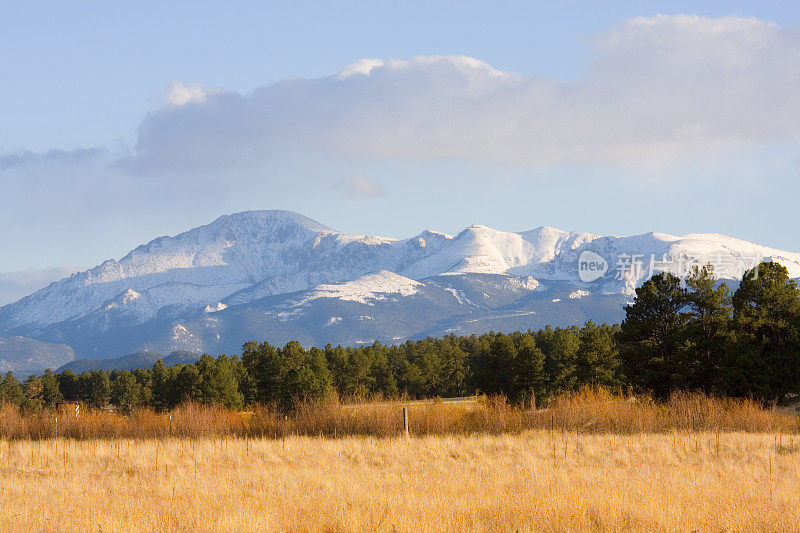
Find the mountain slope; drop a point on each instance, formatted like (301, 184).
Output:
(129, 362)
(278, 275)
(24, 356)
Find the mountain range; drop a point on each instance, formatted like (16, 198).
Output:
(279, 276)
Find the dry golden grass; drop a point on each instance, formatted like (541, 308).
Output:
(539, 480)
(588, 411)
(590, 461)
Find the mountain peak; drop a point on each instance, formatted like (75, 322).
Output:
(253, 258)
(548, 230)
(273, 217)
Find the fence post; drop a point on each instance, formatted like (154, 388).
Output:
(285, 423)
(405, 421)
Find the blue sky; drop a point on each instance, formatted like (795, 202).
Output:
(120, 122)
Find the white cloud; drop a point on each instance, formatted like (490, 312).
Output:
(661, 98)
(180, 94)
(362, 66)
(359, 186)
(655, 87)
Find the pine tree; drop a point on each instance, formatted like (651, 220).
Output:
(216, 383)
(183, 379)
(766, 319)
(597, 356)
(306, 375)
(34, 393)
(69, 386)
(96, 388)
(707, 329)
(453, 369)
(264, 365)
(652, 335)
(529, 379)
(494, 364)
(282, 377)
(562, 345)
(51, 394)
(144, 378)
(125, 391)
(244, 382)
(161, 386)
(11, 391)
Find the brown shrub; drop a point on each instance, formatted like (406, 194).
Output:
(585, 411)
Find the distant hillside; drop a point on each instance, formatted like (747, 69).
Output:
(130, 362)
(24, 356)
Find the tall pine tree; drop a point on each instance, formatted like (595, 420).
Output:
(652, 336)
(766, 318)
(707, 330)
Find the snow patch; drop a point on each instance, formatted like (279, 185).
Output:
(574, 295)
(366, 289)
(219, 307)
(179, 332)
(333, 320)
(129, 296)
(458, 295)
(496, 317)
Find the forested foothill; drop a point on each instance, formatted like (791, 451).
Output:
(677, 335)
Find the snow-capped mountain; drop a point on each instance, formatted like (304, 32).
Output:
(277, 275)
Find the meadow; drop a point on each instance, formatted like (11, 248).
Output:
(584, 411)
(592, 461)
(539, 480)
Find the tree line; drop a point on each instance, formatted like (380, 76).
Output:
(676, 335)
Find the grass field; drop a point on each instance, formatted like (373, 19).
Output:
(586, 411)
(590, 461)
(536, 480)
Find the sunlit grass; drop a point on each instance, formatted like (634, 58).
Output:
(537, 480)
(589, 461)
(588, 411)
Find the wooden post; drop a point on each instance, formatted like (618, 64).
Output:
(170, 424)
(285, 422)
(405, 422)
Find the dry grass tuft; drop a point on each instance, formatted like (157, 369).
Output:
(601, 411)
